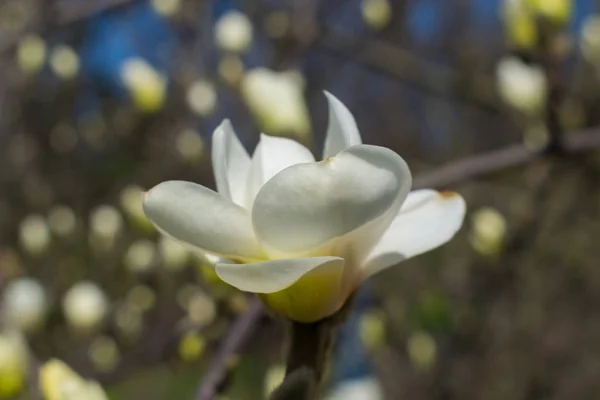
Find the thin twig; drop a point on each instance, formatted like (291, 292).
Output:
(238, 335)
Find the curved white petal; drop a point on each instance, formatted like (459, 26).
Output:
(342, 131)
(307, 205)
(274, 275)
(272, 155)
(230, 163)
(198, 216)
(427, 220)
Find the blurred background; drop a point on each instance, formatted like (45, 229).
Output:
(100, 99)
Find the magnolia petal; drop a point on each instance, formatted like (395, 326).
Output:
(272, 155)
(307, 205)
(342, 131)
(427, 220)
(273, 275)
(302, 289)
(200, 217)
(230, 163)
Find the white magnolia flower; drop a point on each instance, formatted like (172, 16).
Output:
(277, 101)
(305, 234)
(522, 86)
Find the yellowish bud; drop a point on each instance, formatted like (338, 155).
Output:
(14, 360)
(488, 231)
(64, 62)
(522, 86)
(190, 146)
(422, 350)
(276, 99)
(166, 7)
(147, 87)
(376, 13)
(34, 234)
(202, 97)
(59, 382)
(191, 346)
(141, 256)
(31, 53)
(519, 24)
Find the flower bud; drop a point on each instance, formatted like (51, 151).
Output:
(522, 86)
(64, 62)
(376, 13)
(190, 146)
(105, 224)
(131, 203)
(85, 306)
(14, 360)
(59, 382)
(422, 350)
(166, 7)
(488, 231)
(62, 221)
(31, 53)
(233, 32)
(25, 304)
(202, 97)
(34, 234)
(590, 39)
(141, 256)
(276, 99)
(146, 86)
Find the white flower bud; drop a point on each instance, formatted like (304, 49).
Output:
(522, 86)
(34, 234)
(58, 382)
(25, 304)
(376, 13)
(62, 221)
(140, 256)
(590, 39)
(85, 306)
(233, 32)
(147, 87)
(488, 231)
(277, 101)
(31, 53)
(174, 255)
(131, 203)
(202, 97)
(14, 361)
(104, 353)
(105, 224)
(166, 7)
(190, 145)
(64, 62)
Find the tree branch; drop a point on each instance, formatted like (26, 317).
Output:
(238, 335)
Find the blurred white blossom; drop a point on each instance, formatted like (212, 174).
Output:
(147, 87)
(14, 362)
(202, 97)
(85, 306)
(25, 304)
(64, 62)
(62, 220)
(59, 382)
(376, 13)
(34, 234)
(233, 32)
(31, 53)
(488, 231)
(522, 86)
(277, 102)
